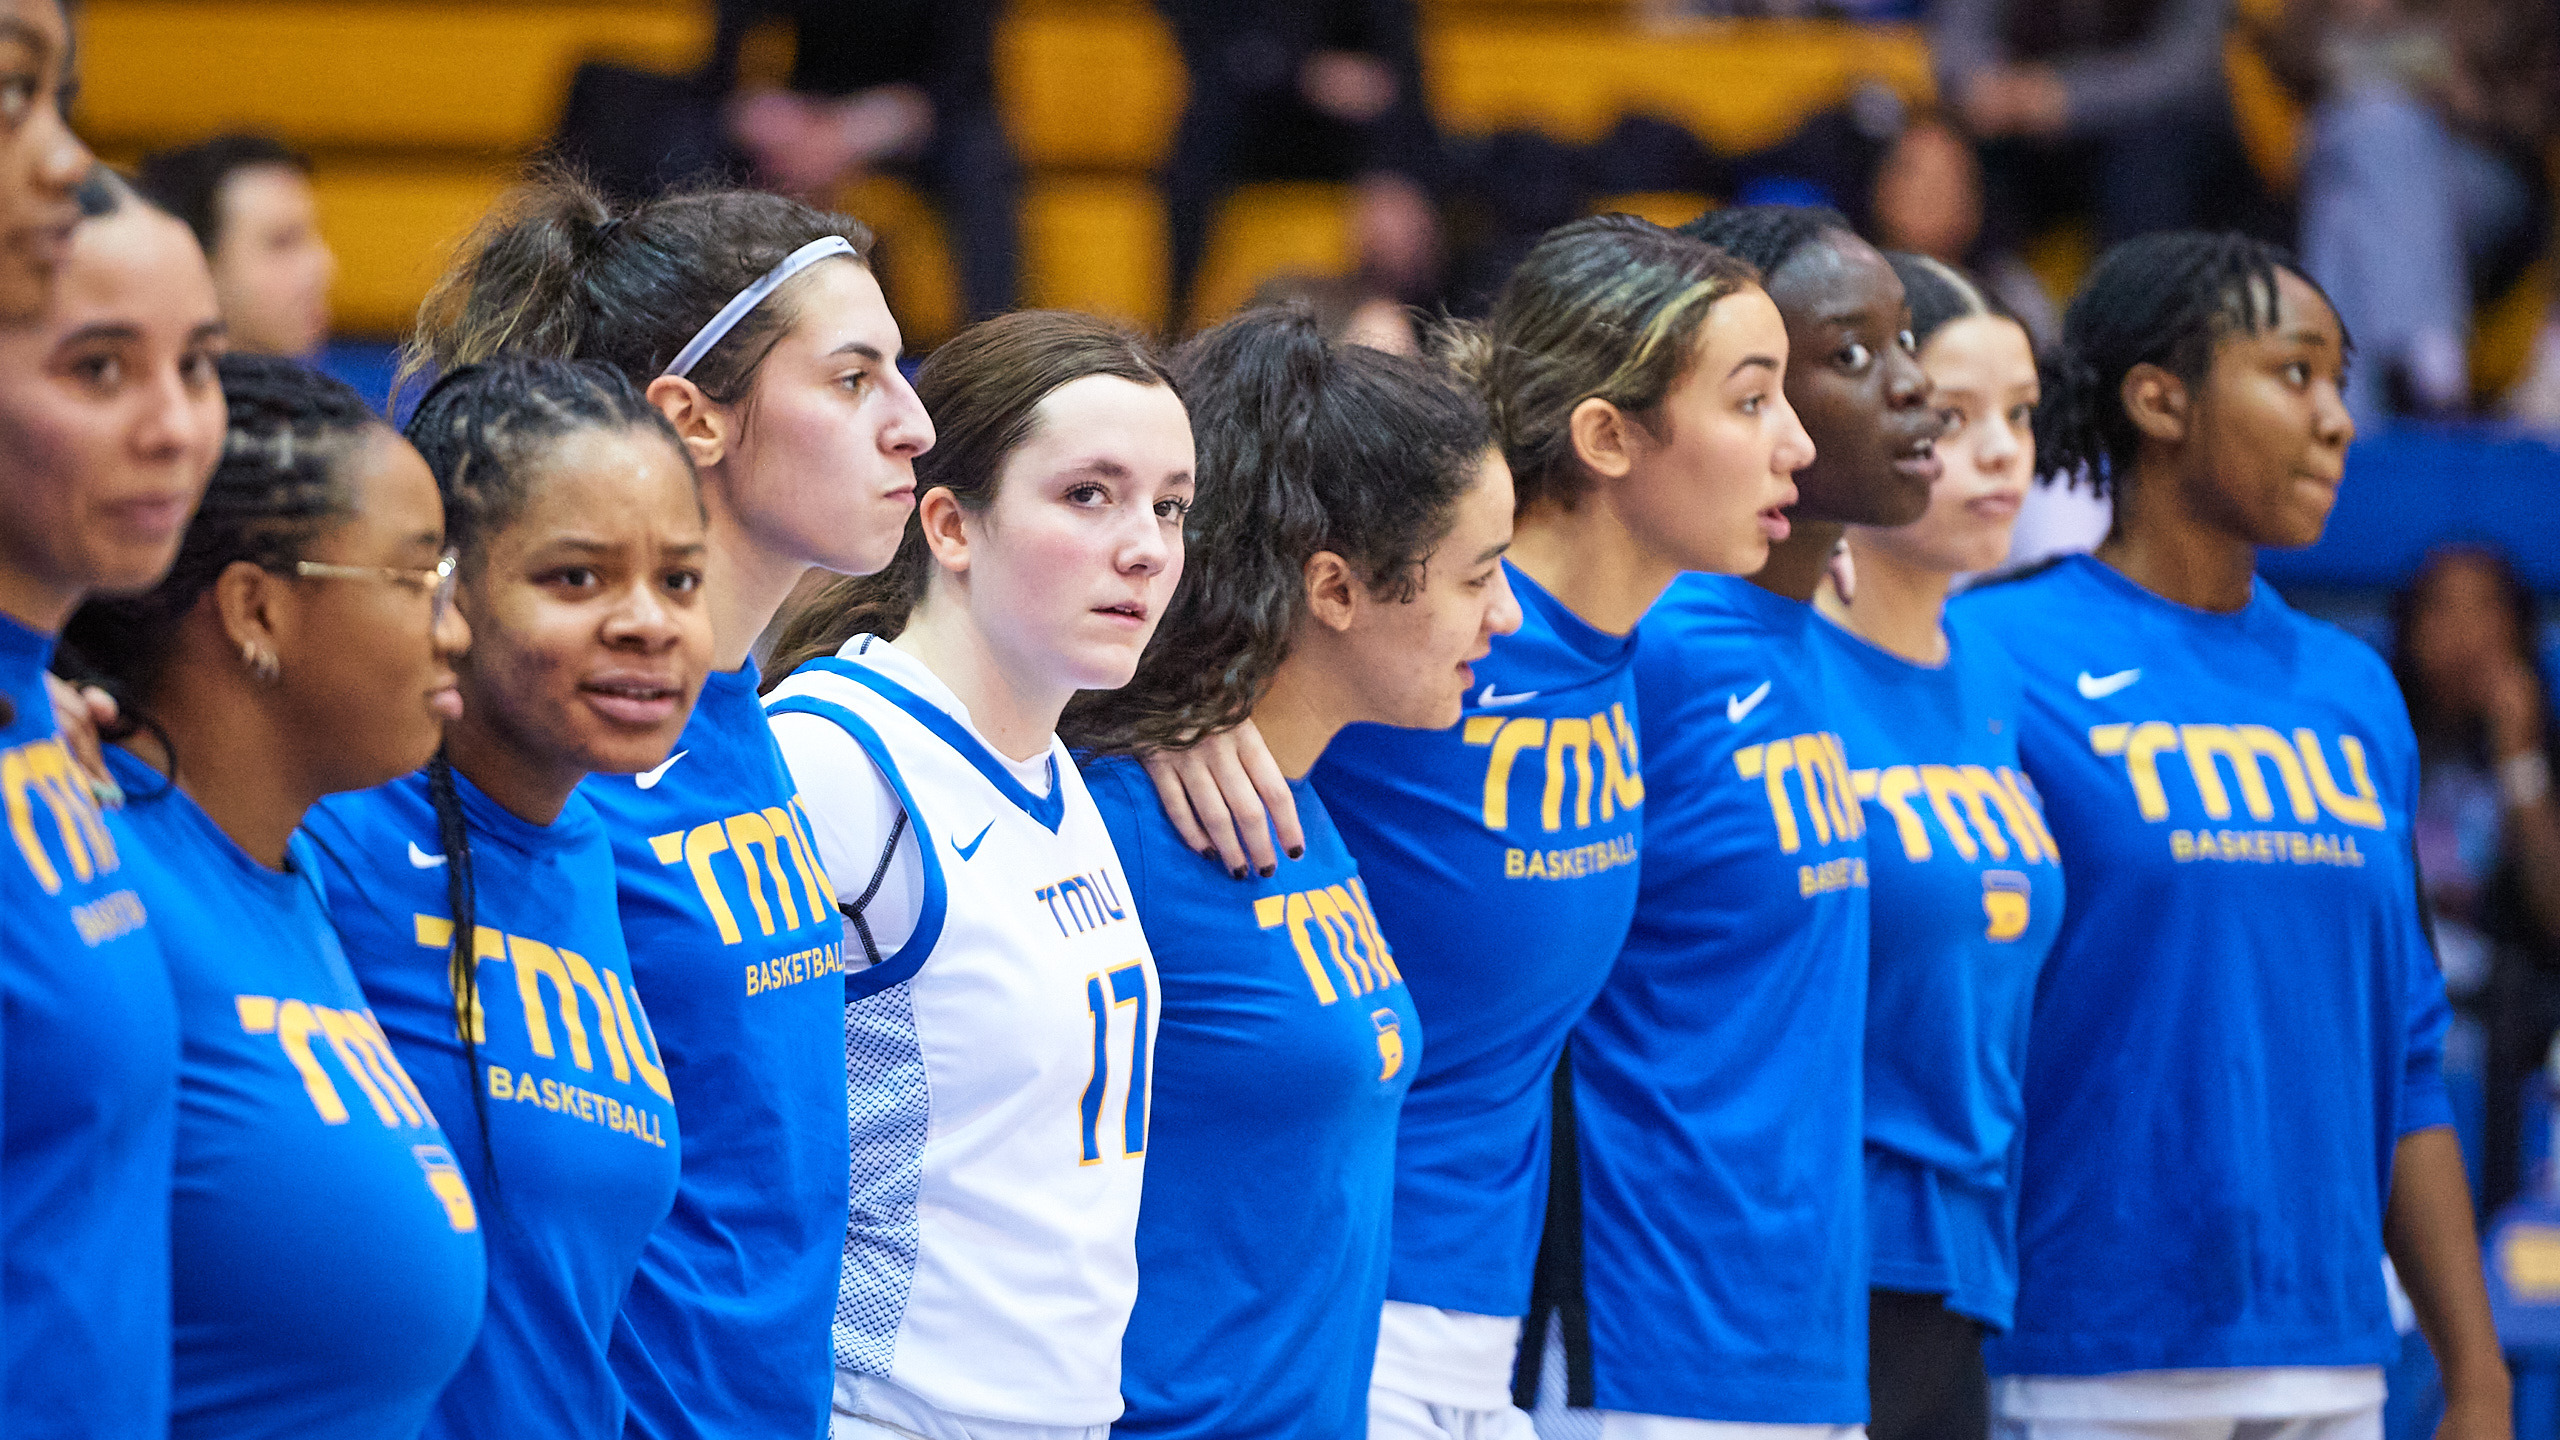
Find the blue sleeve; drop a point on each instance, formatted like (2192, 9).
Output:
(2423, 1102)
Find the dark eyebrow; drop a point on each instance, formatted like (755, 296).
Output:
(863, 348)
(691, 550)
(25, 34)
(1493, 552)
(209, 330)
(2309, 337)
(114, 330)
(1765, 362)
(1101, 465)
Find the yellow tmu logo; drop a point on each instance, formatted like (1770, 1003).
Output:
(2247, 754)
(767, 842)
(1339, 918)
(1591, 761)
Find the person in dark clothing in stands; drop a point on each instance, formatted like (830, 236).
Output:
(2466, 650)
(2117, 108)
(1307, 90)
(906, 86)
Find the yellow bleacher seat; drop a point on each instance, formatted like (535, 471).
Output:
(1739, 85)
(914, 257)
(1090, 86)
(1095, 243)
(481, 77)
(1267, 230)
(394, 227)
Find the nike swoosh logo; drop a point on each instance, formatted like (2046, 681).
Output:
(974, 841)
(422, 859)
(1738, 706)
(2099, 687)
(1492, 697)
(648, 779)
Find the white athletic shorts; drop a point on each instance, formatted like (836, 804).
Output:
(2272, 1403)
(1445, 1375)
(870, 1409)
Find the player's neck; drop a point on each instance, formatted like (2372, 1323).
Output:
(2157, 545)
(1298, 716)
(743, 585)
(532, 788)
(230, 759)
(1589, 560)
(1895, 606)
(1015, 719)
(1797, 564)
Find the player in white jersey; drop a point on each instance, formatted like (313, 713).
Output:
(1001, 1000)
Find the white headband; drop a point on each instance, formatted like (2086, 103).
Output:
(754, 295)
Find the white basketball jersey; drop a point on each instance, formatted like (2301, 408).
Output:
(998, 1077)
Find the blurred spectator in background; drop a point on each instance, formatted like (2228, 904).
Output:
(1347, 312)
(2422, 183)
(1927, 199)
(2488, 837)
(249, 200)
(906, 86)
(2114, 108)
(1308, 90)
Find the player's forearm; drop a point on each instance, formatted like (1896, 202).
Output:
(2428, 1232)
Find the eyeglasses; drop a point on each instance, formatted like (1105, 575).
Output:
(437, 583)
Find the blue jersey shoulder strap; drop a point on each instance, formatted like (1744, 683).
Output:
(1050, 809)
(898, 968)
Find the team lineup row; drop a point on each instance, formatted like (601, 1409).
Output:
(1282, 890)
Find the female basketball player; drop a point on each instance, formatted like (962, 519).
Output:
(329, 1278)
(1634, 378)
(41, 161)
(1715, 1083)
(1965, 890)
(1344, 567)
(110, 420)
(2238, 1036)
(1003, 1014)
(756, 326)
(476, 897)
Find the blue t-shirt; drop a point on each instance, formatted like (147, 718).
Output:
(90, 1045)
(1716, 1079)
(1285, 1045)
(1500, 855)
(738, 949)
(2241, 1016)
(330, 1276)
(578, 1119)
(1964, 898)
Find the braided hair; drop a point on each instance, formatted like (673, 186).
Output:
(1767, 236)
(281, 482)
(1304, 445)
(485, 431)
(2167, 300)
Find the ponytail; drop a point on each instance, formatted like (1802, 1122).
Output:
(556, 271)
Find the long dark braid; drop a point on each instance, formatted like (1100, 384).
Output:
(483, 430)
(280, 484)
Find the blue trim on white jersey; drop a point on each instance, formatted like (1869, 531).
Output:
(898, 968)
(1050, 809)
